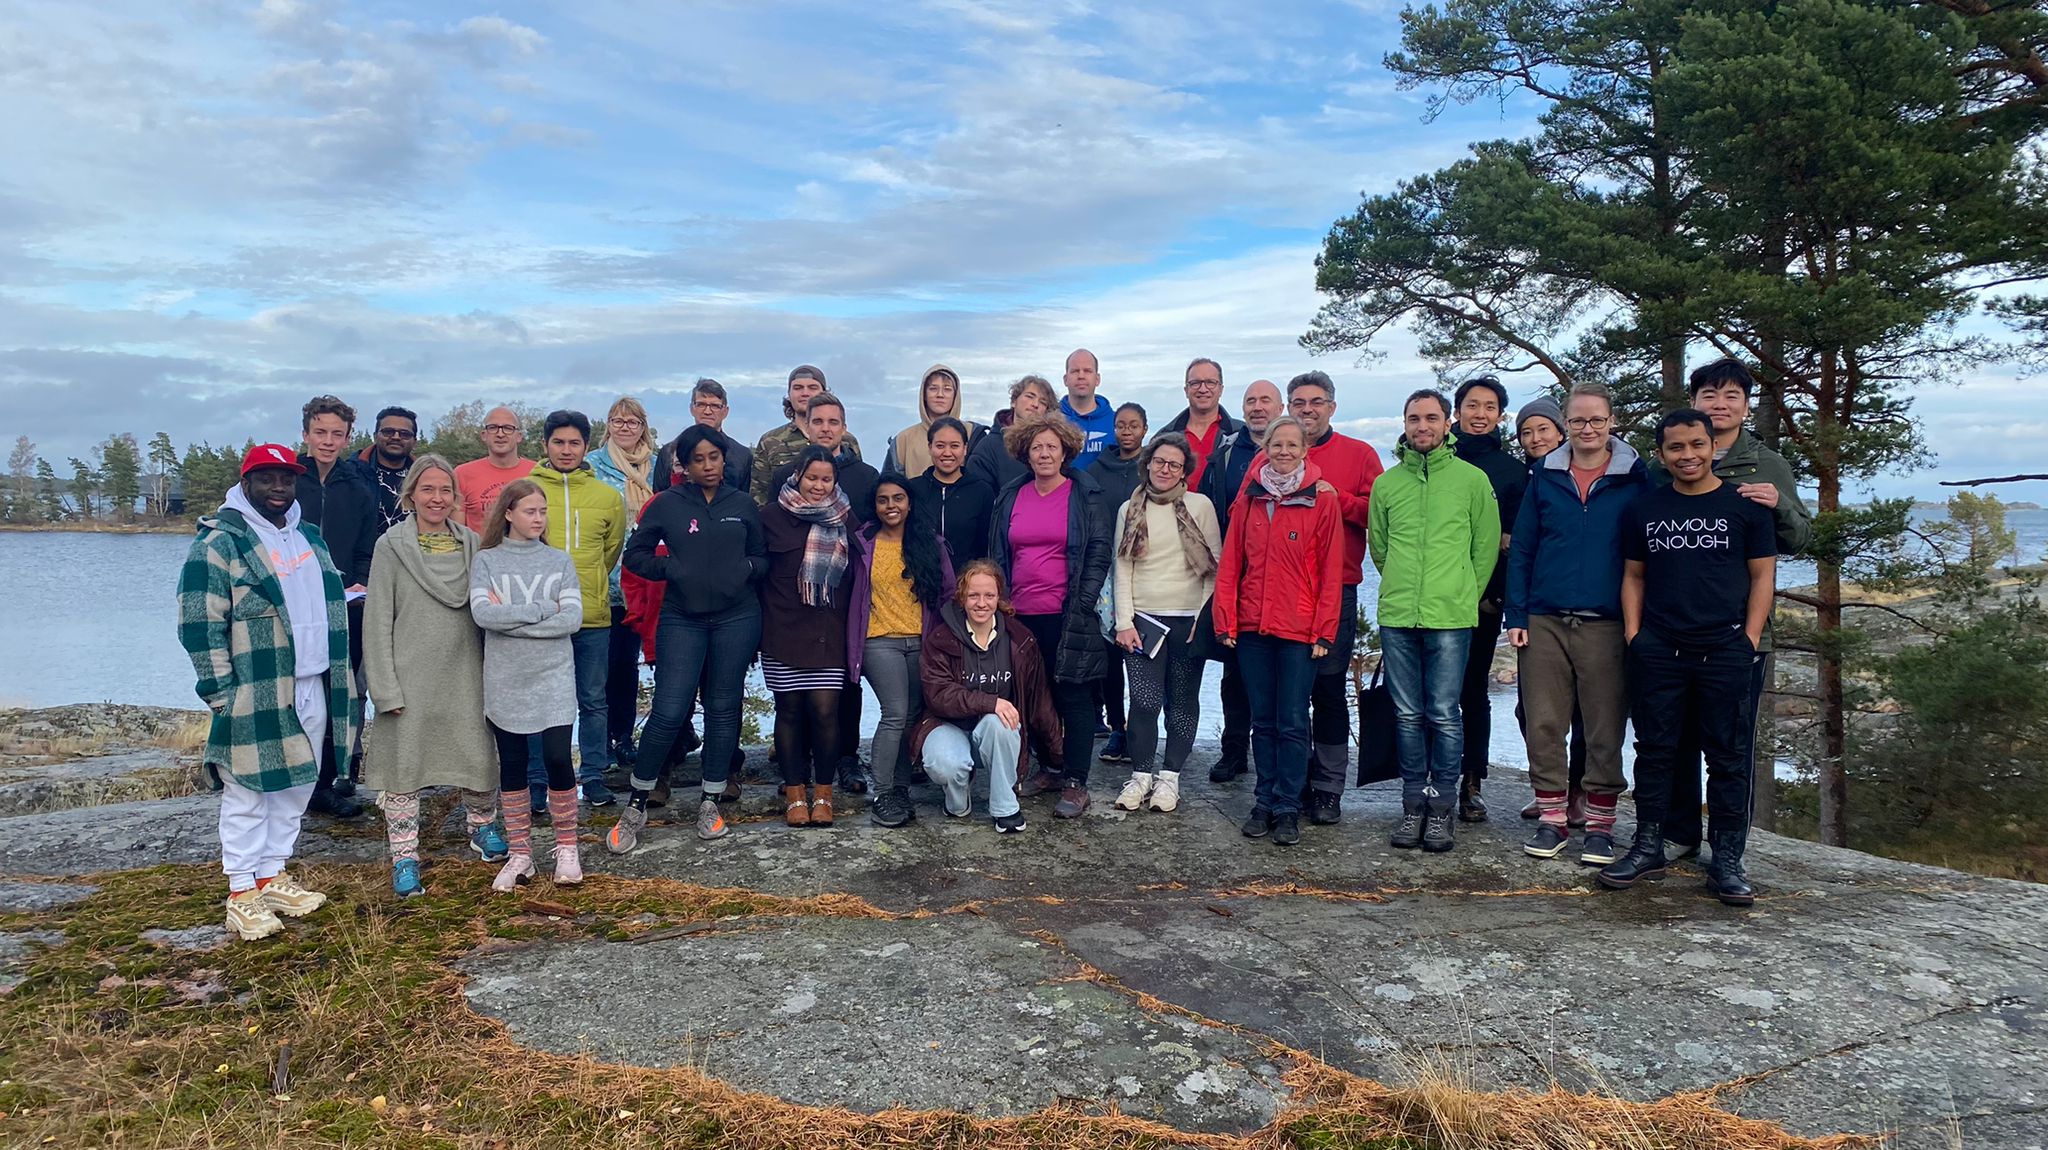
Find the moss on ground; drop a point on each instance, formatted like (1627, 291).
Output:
(350, 1029)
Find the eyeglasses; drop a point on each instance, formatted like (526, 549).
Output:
(1583, 422)
(1317, 404)
(1204, 384)
(397, 433)
(627, 421)
(1168, 465)
(501, 428)
(707, 405)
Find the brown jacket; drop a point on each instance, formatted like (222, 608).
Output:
(947, 697)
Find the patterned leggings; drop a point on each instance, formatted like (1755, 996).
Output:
(402, 818)
(1172, 679)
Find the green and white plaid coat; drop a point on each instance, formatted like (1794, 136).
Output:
(232, 621)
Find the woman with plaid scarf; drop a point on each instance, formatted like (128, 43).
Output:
(804, 601)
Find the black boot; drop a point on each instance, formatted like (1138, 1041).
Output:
(325, 802)
(1231, 765)
(1644, 860)
(1724, 870)
(1471, 808)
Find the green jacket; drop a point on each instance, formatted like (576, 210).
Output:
(586, 518)
(1434, 531)
(231, 621)
(776, 448)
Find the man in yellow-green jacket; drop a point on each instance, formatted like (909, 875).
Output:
(1434, 532)
(586, 518)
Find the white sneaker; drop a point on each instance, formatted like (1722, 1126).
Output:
(285, 896)
(1166, 791)
(250, 917)
(1134, 792)
(518, 868)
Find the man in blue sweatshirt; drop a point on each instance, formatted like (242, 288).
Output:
(1094, 415)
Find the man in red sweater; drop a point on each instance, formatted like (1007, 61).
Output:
(1349, 467)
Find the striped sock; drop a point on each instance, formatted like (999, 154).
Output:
(402, 823)
(1599, 814)
(479, 809)
(1550, 807)
(562, 813)
(518, 821)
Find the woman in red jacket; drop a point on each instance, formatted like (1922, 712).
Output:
(1277, 590)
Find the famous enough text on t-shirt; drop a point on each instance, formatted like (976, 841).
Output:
(1695, 551)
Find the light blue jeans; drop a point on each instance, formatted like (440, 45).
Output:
(1426, 674)
(951, 753)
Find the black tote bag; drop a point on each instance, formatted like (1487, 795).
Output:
(1378, 758)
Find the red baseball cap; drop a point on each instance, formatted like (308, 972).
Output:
(272, 455)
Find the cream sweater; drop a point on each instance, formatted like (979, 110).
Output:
(1159, 582)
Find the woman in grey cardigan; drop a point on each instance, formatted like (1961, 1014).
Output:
(526, 597)
(425, 660)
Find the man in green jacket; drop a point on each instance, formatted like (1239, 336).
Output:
(587, 518)
(1434, 532)
(1722, 389)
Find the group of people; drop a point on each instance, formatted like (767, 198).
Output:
(996, 588)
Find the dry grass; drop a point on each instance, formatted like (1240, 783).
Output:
(379, 1049)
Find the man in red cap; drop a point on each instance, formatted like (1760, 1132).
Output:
(262, 613)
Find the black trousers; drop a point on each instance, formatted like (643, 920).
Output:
(1112, 691)
(1682, 821)
(1075, 702)
(851, 700)
(1329, 700)
(622, 680)
(329, 769)
(1474, 706)
(1707, 695)
(1237, 711)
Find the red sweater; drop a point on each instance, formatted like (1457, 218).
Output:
(1281, 575)
(1350, 465)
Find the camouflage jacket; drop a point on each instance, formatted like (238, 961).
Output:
(778, 448)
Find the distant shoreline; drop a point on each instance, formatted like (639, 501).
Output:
(169, 527)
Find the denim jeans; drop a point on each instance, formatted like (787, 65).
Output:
(593, 648)
(1426, 674)
(951, 753)
(1278, 675)
(710, 652)
(890, 665)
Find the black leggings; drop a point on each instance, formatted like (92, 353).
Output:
(554, 752)
(807, 736)
(1075, 702)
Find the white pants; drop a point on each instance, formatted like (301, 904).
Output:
(950, 754)
(259, 829)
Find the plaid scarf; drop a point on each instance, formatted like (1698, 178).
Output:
(825, 552)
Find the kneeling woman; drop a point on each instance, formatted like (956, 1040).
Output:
(985, 690)
(901, 574)
(424, 658)
(804, 600)
(526, 597)
(1277, 591)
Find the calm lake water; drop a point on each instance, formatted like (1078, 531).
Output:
(100, 623)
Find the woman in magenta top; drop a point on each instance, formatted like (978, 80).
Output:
(1049, 533)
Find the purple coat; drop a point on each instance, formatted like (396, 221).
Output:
(864, 599)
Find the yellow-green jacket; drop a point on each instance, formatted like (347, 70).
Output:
(1434, 532)
(586, 518)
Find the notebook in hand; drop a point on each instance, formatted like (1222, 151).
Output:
(1152, 633)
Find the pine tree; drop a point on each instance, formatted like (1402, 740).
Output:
(85, 480)
(163, 466)
(21, 482)
(49, 492)
(121, 474)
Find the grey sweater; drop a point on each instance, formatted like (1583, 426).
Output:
(526, 597)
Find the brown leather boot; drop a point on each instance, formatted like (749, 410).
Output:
(821, 805)
(796, 809)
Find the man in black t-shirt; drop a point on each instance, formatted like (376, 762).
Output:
(1700, 568)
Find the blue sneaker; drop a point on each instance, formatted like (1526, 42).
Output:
(489, 843)
(405, 878)
(539, 793)
(597, 794)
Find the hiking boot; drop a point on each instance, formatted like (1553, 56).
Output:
(518, 869)
(405, 878)
(710, 824)
(345, 786)
(854, 777)
(1135, 792)
(821, 805)
(327, 801)
(1229, 767)
(597, 794)
(1548, 842)
(1286, 830)
(1408, 832)
(489, 843)
(1116, 750)
(568, 864)
(1644, 861)
(625, 834)
(1010, 824)
(1437, 827)
(663, 791)
(250, 917)
(796, 806)
(1073, 800)
(1599, 850)
(1325, 808)
(1039, 783)
(1165, 791)
(1257, 824)
(1724, 869)
(624, 754)
(891, 808)
(1471, 809)
(288, 898)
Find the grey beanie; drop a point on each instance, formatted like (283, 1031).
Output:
(1542, 407)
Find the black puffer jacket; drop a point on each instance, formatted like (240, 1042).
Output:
(345, 510)
(1510, 478)
(1083, 655)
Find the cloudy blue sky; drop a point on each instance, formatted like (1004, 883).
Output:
(211, 210)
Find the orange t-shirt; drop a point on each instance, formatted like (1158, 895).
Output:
(480, 480)
(1585, 477)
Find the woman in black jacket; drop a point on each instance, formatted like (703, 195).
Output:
(804, 607)
(1049, 533)
(710, 623)
(955, 503)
